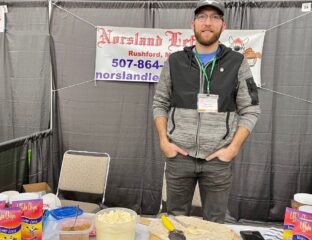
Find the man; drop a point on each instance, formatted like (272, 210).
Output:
(205, 106)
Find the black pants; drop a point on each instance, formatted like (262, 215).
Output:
(214, 180)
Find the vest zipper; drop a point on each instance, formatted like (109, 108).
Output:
(201, 87)
(198, 114)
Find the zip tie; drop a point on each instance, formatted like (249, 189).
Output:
(95, 82)
(290, 20)
(76, 16)
(56, 90)
(81, 19)
(129, 1)
(284, 94)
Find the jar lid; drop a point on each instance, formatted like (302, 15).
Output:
(303, 198)
(66, 212)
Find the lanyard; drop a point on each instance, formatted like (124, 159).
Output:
(204, 71)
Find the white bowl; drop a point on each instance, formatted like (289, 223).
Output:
(4, 197)
(24, 196)
(303, 198)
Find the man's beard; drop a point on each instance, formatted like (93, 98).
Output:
(207, 42)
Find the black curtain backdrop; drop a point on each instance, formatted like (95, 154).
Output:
(116, 117)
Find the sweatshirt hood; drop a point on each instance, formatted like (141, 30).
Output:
(223, 50)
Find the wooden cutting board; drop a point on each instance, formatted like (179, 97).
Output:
(212, 230)
(153, 237)
(146, 221)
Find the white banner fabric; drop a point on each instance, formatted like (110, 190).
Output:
(138, 54)
(2, 18)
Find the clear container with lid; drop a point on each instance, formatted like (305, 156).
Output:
(73, 229)
(116, 224)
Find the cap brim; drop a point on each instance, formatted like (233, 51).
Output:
(199, 8)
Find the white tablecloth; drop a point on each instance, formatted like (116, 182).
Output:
(143, 234)
(50, 231)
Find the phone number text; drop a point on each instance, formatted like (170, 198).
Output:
(128, 63)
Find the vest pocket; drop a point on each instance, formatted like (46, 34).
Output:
(181, 128)
(172, 121)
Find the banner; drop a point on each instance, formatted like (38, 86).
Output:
(138, 54)
(3, 10)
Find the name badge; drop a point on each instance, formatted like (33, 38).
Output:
(207, 103)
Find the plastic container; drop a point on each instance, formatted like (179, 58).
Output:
(115, 224)
(4, 197)
(51, 201)
(306, 208)
(10, 194)
(73, 229)
(66, 212)
(301, 199)
(24, 196)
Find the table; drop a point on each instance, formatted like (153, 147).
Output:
(51, 231)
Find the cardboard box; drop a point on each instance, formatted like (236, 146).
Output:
(37, 187)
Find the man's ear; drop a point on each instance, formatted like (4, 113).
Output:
(223, 26)
(193, 23)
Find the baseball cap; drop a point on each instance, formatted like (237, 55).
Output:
(210, 3)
